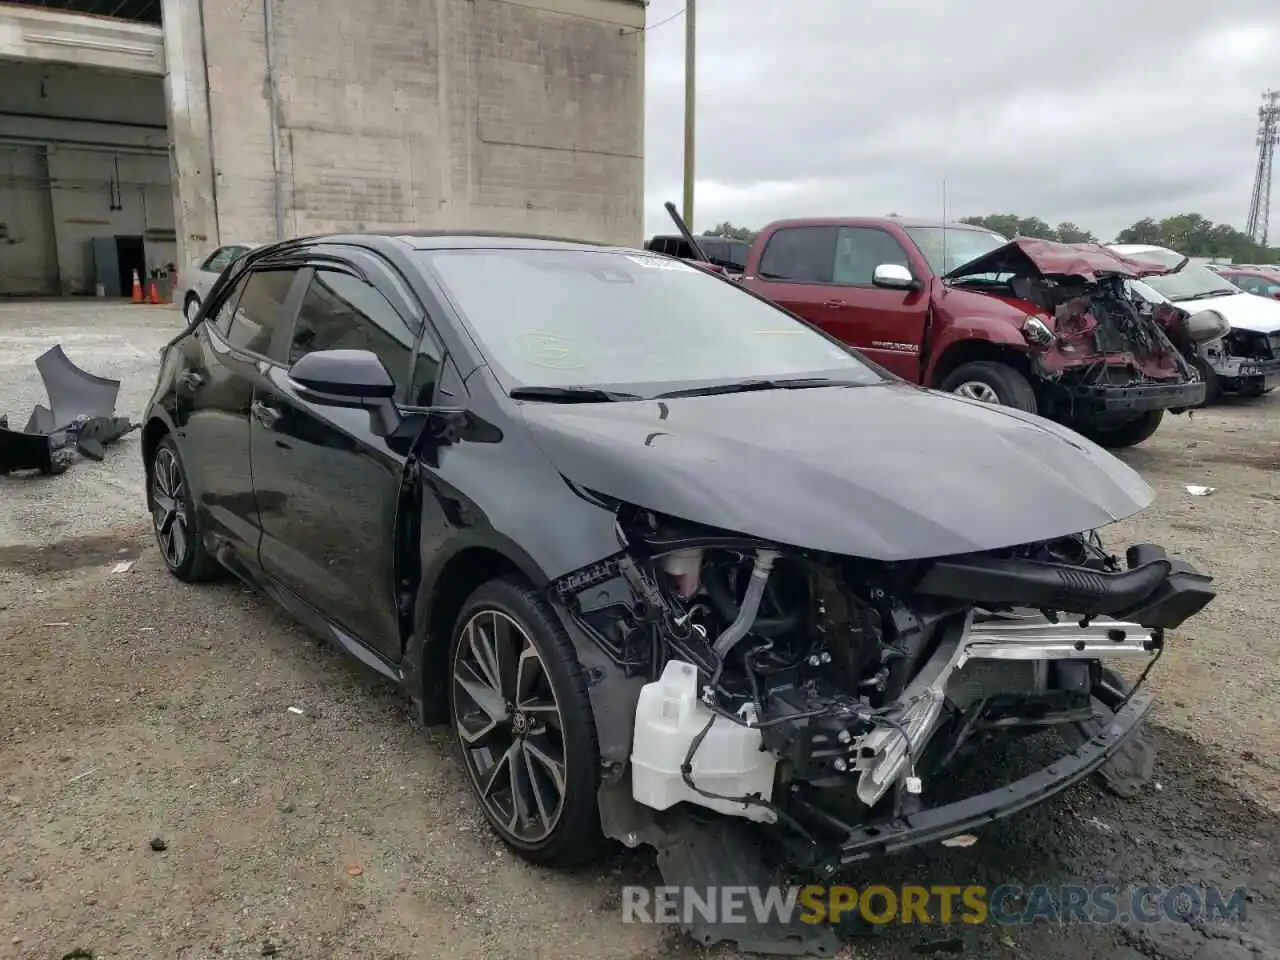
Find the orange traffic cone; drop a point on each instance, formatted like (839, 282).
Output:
(137, 288)
(153, 295)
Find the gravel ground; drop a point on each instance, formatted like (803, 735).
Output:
(134, 708)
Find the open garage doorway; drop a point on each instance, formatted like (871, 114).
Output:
(85, 192)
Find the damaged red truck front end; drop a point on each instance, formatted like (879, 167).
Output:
(1049, 328)
(1101, 363)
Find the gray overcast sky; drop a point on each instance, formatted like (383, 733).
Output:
(1096, 111)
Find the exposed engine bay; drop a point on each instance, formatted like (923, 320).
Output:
(818, 695)
(1091, 325)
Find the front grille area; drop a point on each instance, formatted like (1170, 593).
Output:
(1253, 346)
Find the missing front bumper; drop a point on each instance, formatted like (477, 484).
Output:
(937, 823)
(1080, 401)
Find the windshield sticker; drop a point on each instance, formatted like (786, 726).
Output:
(660, 263)
(550, 351)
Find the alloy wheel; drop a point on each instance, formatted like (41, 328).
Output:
(509, 724)
(169, 508)
(977, 390)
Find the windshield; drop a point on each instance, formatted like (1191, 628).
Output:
(962, 245)
(1192, 282)
(627, 321)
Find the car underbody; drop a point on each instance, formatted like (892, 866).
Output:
(764, 707)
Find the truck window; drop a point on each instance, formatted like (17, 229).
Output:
(800, 254)
(859, 250)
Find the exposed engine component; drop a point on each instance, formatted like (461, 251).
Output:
(846, 681)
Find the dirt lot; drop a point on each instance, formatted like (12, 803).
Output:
(133, 707)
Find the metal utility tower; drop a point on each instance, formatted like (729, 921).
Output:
(1268, 137)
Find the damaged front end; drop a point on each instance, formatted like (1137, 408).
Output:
(1101, 357)
(786, 708)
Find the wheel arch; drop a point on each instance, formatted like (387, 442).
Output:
(960, 352)
(155, 430)
(444, 588)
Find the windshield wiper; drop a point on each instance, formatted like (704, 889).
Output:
(1205, 295)
(747, 386)
(571, 395)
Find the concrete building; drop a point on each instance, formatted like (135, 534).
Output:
(138, 133)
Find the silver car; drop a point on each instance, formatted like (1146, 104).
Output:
(195, 280)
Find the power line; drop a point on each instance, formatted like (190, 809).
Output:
(653, 26)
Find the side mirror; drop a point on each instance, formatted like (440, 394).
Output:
(349, 378)
(893, 276)
(343, 374)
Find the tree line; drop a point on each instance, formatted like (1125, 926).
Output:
(1188, 233)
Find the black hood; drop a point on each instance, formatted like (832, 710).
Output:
(885, 472)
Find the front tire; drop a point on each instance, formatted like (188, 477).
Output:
(1212, 388)
(1130, 433)
(519, 707)
(173, 516)
(992, 382)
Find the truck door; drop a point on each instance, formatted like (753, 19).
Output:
(887, 325)
(795, 272)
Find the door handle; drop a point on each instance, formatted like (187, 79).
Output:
(266, 416)
(834, 303)
(190, 379)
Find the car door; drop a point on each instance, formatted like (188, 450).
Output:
(221, 363)
(795, 272)
(328, 489)
(886, 324)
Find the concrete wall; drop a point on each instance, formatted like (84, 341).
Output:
(83, 154)
(520, 115)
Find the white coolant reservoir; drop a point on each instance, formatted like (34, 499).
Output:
(730, 761)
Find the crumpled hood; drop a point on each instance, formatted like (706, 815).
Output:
(1027, 256)
(1244, 311)
(886, 472)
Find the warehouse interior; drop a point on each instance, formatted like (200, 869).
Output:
(85, 192)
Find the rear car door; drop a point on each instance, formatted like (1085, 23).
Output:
(222, 362)
(887, 325)
(795, 271)
(328, 489)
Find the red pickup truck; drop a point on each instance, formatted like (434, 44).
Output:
(1041, 326)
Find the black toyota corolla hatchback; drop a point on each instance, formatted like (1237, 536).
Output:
(653, 545)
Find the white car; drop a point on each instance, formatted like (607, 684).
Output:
(1247, 361)
(196, 279)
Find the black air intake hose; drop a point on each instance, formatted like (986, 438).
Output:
(993, 581)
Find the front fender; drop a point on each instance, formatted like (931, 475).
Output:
(955, 334)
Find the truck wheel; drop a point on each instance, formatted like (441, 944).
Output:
(991, 382)
(1130, 433)
(1212, 388)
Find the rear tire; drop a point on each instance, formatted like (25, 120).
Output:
(989, 381)
(173, 516)
(1130, 433)
(520, 710)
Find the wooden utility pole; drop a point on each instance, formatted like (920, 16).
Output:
(690, 86)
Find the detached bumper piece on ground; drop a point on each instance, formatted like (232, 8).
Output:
(80, 419)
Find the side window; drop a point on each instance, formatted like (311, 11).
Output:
(340, 312)
(804, 254)
(426, 373)
(859, 250)
(221, 319)
(260, 311)
(215, 261)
